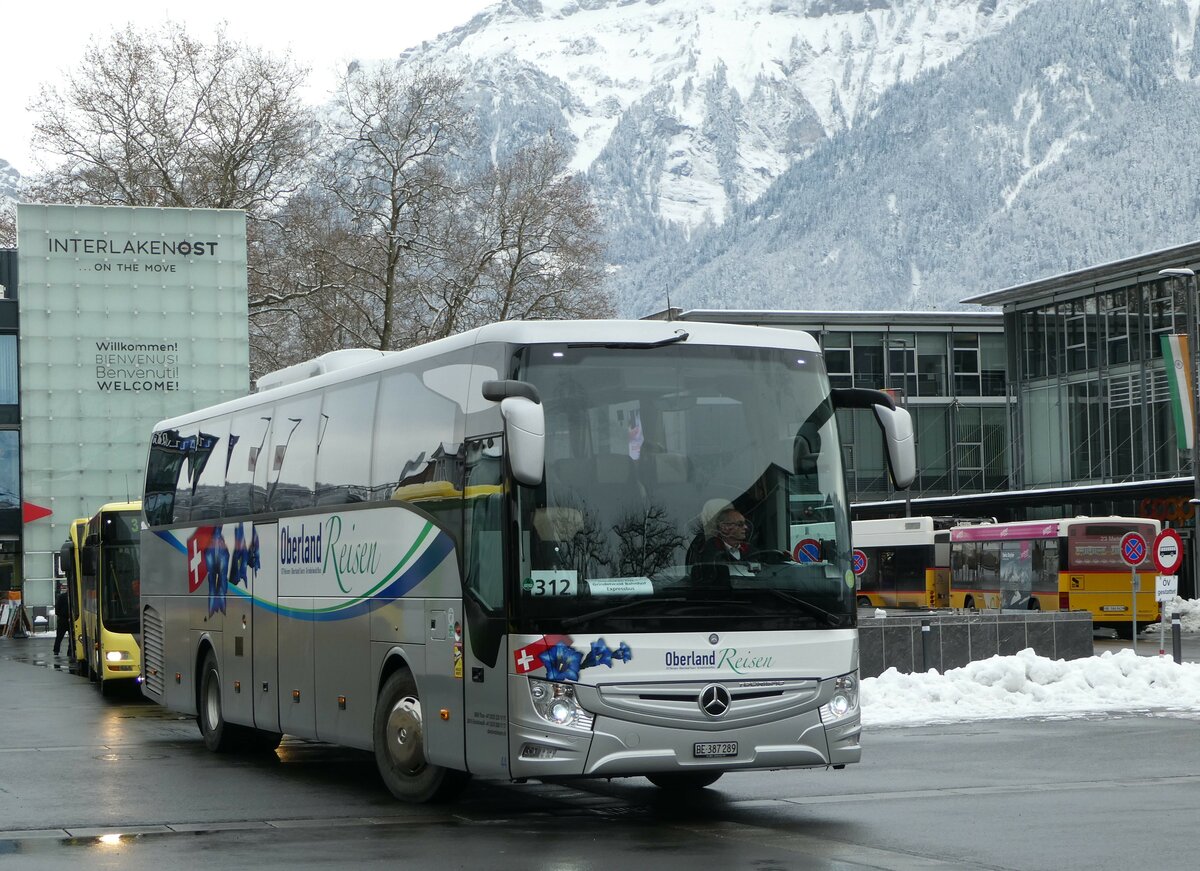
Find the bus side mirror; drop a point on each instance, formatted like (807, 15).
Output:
(524, 428)
(896, 424)
(897, 427)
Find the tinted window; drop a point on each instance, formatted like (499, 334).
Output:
(244, 491)
(344, 443)
(292, 473)
(162, 476)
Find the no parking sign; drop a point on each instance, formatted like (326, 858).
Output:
(859, 562)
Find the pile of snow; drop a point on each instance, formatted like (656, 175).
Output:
(1189, 615)
(1028, 685)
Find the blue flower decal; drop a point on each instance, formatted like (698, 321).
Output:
(216, 561)
(239, 562)
(255, 562)
(599, 655)
(562, 662)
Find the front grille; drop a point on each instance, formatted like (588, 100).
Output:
(672, 703)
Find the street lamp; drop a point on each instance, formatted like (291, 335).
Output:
(1190, 275)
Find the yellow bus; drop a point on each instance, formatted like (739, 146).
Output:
(905, 562)
(110, 595)
(69, 559)
(1071, 564)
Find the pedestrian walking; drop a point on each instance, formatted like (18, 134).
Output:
(62, 616)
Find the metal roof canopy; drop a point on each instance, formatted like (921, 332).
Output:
(807, 319)
(1118, 273)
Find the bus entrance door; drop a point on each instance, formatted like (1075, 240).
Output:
(484, 647)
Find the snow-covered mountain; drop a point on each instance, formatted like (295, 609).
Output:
(683, 111)
(852, 153)
(9, 180)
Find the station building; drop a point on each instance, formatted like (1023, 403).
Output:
(1057, 405)
(111, 319)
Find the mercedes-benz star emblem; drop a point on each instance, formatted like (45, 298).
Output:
(714, 700)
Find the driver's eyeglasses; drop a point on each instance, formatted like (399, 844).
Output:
(729, 524)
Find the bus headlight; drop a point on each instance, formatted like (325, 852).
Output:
(555, 703)
(117, 655)
(844, 702)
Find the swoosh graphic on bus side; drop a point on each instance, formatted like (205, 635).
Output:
(433, 556)
(407, 579)
(170, 539)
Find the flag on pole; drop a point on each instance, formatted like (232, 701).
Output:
(1176, 354)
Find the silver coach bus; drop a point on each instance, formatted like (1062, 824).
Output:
(488, 556)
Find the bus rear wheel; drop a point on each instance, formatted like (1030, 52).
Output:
(864, 602)
(400, 746)
(219, 736)
(969, 603)
(680, 781)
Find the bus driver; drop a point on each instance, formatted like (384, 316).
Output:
(727, 536)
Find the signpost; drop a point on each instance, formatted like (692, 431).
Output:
(1168, 556)
(1133, 551)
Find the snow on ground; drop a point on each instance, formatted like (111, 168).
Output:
(1027, 685)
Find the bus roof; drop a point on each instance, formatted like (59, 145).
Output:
(1039, 528)
(523, 333)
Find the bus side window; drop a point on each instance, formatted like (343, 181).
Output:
(344, 443)
(484, 514)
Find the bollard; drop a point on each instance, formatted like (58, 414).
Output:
(926, 645)
(1176, 639)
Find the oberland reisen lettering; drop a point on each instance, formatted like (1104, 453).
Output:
(148, 247)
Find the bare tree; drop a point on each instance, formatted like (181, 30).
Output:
(525, 244)
(163, 119)
(8, 225)
(391, 136)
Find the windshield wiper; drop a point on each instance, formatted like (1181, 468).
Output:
(832, 620)
(613, 609)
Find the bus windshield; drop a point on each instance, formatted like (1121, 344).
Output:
(120, 573)
(672, 481)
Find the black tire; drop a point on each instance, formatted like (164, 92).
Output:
(864, 602)
(219, 736)
(1034, 604)
(400, 747)
(682, 781)
(1125, 631)
(969, 603)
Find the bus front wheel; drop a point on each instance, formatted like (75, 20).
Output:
(679, 781)
(864, 602)
(219, 736)
(969, 604)
(400, 746)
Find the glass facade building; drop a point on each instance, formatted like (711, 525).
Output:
(127, 316)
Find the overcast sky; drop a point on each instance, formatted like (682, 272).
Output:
(44, 39)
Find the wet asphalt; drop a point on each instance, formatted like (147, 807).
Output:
(121, 783)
